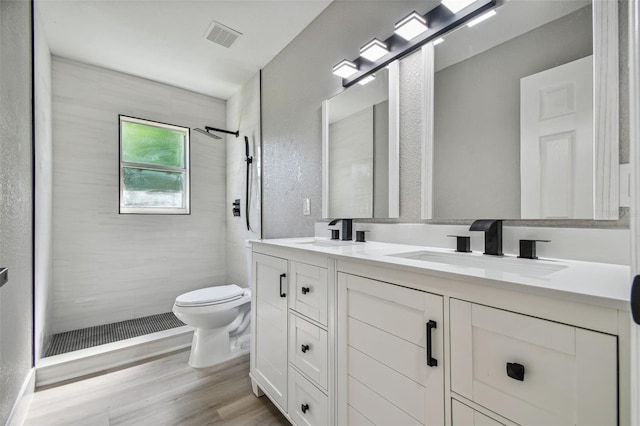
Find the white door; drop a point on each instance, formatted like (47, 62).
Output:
(556, 142)
(269, 352)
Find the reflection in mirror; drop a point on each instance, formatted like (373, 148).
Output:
(513, 117)
(360, 140)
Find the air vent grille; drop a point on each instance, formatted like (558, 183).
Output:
(221, 34)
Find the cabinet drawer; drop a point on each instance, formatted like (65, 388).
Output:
(463, 415)
(308, 349)
(309, 291)
(307, 404)
(532, 371)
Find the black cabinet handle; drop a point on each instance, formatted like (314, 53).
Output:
(305, 290)
(635, 299)
(282, 294)
(304, 407)
(515, 371)
(304, 348)
(431, 361)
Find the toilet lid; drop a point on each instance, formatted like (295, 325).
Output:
(210, 295)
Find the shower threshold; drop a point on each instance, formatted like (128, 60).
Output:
(89, 337)
(122, 352)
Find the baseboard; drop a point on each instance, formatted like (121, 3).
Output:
(20, 409)
(91, 361)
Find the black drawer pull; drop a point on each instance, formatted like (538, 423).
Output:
(305, 290)
(515, 371)
(304, 348)
(304, 407)
(282, 294)
(431, 361)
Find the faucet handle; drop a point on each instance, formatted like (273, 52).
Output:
(528, 248)
(360, 235)
(463, 243)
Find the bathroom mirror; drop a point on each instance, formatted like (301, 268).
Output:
(360, 174)
(521, 115)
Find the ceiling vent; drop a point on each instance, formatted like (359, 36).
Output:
(221, 34)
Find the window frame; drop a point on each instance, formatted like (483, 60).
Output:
(186, 210)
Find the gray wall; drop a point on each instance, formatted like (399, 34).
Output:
(243, 113)
(15, 200)
(294, 85)
(477, 118)
(109, 267)
(44, 190)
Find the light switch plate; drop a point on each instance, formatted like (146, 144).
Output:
(306, 207)
(625, 185)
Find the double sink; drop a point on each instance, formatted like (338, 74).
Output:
(502, 264)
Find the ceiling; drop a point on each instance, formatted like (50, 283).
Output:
(163, 40)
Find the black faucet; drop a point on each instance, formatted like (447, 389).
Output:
(347, 226)
(492, 235)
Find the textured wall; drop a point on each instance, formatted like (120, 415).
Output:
(110, 267)
(44, 189)
(15, 200)
(294, 85)
(243, 112)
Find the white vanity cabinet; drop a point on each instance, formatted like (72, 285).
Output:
(362, 339)
(292, 339)
(390, 354)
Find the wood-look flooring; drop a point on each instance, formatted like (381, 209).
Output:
(162, 392)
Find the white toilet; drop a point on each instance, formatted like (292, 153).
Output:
(216, 313)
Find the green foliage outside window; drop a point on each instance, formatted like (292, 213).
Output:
(153, 167)
(152, 145)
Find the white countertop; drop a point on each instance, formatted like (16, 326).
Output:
(597, 283)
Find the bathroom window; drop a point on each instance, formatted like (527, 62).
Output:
(154, 167)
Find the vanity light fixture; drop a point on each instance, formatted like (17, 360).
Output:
(411, 26)
(438, 41)
(345, 69)
(456, 6)
(367, 79)
(481, 18)
(374, 50)
(411, 33)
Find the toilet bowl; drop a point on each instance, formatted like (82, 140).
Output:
(215, 313)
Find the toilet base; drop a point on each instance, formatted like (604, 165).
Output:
(212, 347)
(209, 347)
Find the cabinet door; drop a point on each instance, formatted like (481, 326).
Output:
(386, 334)
(269, 354)
(532, 371)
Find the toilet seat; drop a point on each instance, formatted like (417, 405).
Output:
(210, 296)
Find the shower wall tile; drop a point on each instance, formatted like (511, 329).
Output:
(109, 267)
(243, 113)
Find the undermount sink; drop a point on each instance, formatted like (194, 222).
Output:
(327, 243)
(508, 264)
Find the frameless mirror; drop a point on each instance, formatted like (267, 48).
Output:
(360, 173)
(524, 122)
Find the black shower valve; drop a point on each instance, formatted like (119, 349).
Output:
(236, 207)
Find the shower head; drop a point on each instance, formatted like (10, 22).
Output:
(205, 132)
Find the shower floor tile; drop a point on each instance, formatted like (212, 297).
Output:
(83, 338)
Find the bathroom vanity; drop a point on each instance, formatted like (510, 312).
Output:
(388, 334)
